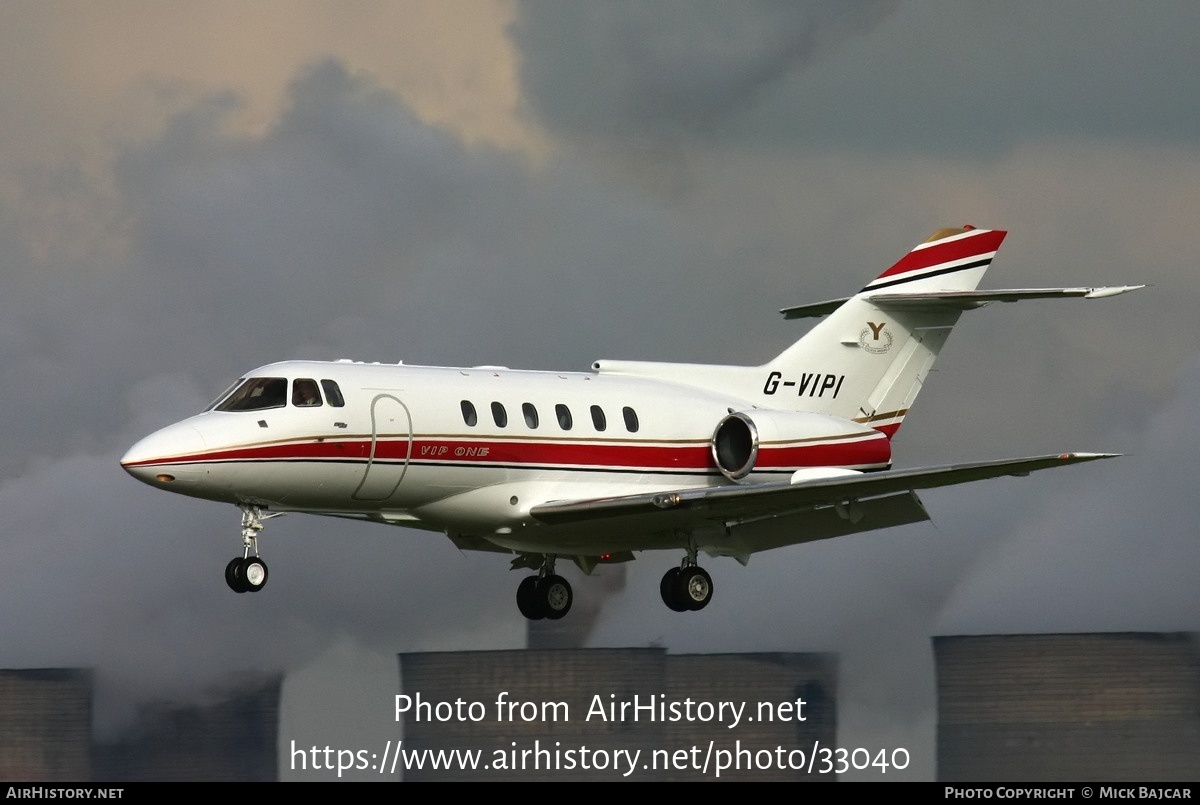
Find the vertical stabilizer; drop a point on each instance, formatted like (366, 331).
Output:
(867, 360)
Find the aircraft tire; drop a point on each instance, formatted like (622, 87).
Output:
(555, 595)
(233, 575)
(527, 599)
(695, 587)
(670, 591)
(253, 574)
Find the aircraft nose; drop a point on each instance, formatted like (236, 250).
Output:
(161, 457)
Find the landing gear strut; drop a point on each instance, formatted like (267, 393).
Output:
(544, 595)
(246, 573)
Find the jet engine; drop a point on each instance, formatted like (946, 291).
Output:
(786, 441)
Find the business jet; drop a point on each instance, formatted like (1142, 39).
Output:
(598, 466)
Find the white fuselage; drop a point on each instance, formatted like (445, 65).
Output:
(468, 451)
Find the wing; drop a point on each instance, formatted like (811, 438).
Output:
(830, 506)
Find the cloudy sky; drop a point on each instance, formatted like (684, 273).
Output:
(189, 192)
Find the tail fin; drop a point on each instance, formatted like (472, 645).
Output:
(868, 360)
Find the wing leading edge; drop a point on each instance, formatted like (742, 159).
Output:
(743, 503)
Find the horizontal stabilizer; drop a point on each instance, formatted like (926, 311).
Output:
(814, 309)
(955, 300)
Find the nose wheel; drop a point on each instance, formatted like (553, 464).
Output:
(246, 573)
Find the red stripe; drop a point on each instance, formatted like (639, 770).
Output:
(866, 452)
(467, 451)
(691, 456)
(687, 456)
(986, 242)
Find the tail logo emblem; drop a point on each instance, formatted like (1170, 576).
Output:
(875, 339)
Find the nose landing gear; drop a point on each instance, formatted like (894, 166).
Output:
(246, 573)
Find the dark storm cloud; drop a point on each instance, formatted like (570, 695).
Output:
(669, 69)
(975, 78)
(931, 77)
(352, 209)
(262, 235)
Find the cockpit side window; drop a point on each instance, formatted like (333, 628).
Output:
(305, 394)
(257, 393)
(333, 394)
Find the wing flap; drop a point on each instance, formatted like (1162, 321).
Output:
(744, 538)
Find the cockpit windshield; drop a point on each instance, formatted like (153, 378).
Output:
(224, 394)
(255, 394)
(258, 393)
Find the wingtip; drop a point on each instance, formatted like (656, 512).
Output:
(1115, 290)
(1088, 456)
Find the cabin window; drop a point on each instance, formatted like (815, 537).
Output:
(333, 394)
(468, 412)
(257, 393)
(631, 420)
(305, 394)
(598, 418)
(531, 417)
(499, 415)
(563, 414)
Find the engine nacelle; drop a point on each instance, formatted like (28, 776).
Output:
(788, 441)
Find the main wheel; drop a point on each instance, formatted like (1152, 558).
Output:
(253, 574)
(695, 587)
(555, 595)
(233, 575)
(668, 588)
(527, 599)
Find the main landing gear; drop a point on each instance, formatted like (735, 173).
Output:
(246, 573)
(544, 595)
(687, 587)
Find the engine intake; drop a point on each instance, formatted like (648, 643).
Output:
(735, 446)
